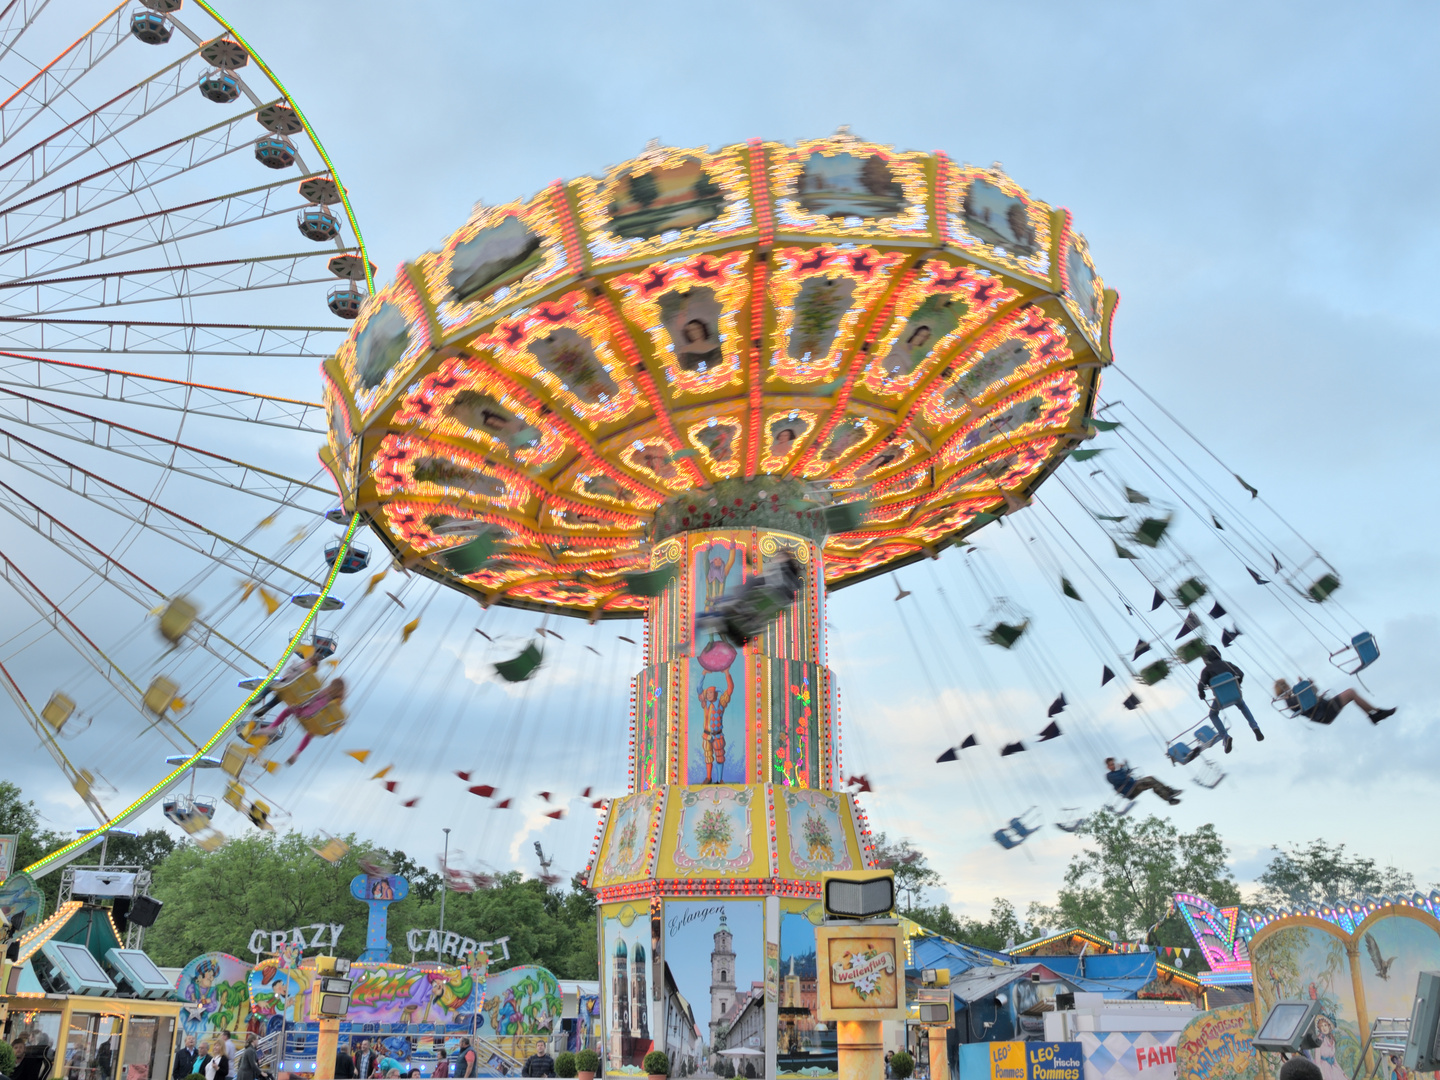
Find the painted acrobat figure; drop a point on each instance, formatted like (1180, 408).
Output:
(713, 702)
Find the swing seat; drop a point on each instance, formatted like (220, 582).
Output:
(327, 721)
(1362, 651)
(1305, 695)
(1071, 826)
(1225, 690)
(1005, 840)
(1184, 751)
(300, 689)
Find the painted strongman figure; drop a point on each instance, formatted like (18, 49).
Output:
(713, 702)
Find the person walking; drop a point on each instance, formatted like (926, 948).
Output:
(184, 1063)
(367, 1061)
(247, 1065)
(469, 1060)
(1215, 666)
(1122, 779)
(344, 1064)
(442, 1064)
(217, 1062)
(230, 1047)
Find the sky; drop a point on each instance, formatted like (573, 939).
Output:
(1240, 172)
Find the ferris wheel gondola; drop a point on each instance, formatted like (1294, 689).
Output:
(157, 308)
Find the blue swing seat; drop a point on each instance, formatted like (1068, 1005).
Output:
(1183, 751)
(1363, 651)
(1225, 690)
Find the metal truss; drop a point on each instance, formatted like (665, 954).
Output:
(145, 512)
(93, 336)
(58, 76)
(195, 399)
(140, 445)
(117, 288)
(117, 574)
(15, 19)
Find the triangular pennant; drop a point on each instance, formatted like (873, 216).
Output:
(1012, 748)
(1254, 492)
(391, 785)
(463, 775)
(1068, 589)
(503, 804)
(1216, 522)
(1276, 560)
(543, 795)
(358, 755)
(1189, 626)
(585, 794)
(1104, 425)
(1106, 675)
(382, 773)
(1187, 954)
(1123, 552)
(1051, 731)
(1086, 455)
(970, 741)
(598, 804)
(1258, 579)
(1141, 648)
(556, 814)
(411, 802)
(1156, 600)
(1216, 611)
(483, 790)
(1057, 706)
(1132, 702)
(948, 755)
(1227, 636)
(1133, 496)
(860, 783)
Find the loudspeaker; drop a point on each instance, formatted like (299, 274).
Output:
(145, 910)
(120, 913)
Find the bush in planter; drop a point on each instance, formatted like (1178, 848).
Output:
(587, 1061)
(7, 1058)
(656, 1063)
(565, 1065)
(901, 1065)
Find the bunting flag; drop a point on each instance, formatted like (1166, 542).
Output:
(1254, 492)
(860, 783)
(1216, 611)
(1133, 496)
(1104, 425)
(543, 795)
(948, 755)
(1276, 560)
(409, 628)
(1187, 953)
(1156, 600)
(270, 600)
(1141, 648)
(1227, 636)
(483, 790)
(375, 579)
(391, 785)
(1057, 706)
(1189, 626)
(1106, 674)
(358, 755)
(1216, 522)
(598, 804)
(411, 802)
(1086, 455)
(503, 804)
(585, 794)
(1132, 703)
(382, 773)
(556, 814)
(1258, 579)
(1068, 589)
(1051, 731)
(1122, 552)
(463, 775)
(1013, 748)
(970, 741)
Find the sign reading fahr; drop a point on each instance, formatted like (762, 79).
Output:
(449, 943)
(325, 937)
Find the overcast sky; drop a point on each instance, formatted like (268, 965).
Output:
(1258, 182)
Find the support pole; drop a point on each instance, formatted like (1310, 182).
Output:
(327, 1044)
(861, 1049)
(939, 1054)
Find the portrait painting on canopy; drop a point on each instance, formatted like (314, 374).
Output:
(483, 412)
(718, 438)
(715, 967)
(843, 186)
(448, 473)
(1082, 282)
(1004, 422)
(604, 486)
(845, 436)
(819, 306)
(493, 257)
(932, 320)
(655, 201)
(692, 317)
(785, 431)
(716, 750)
(998, 219)
(569, 357)
(380, 345)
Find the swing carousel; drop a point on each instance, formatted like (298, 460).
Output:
(702, 390)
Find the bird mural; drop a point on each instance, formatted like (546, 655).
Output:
(1382, 965)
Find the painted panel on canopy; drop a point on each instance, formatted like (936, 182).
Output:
(888, 456)
(561, 349)
(715, 951)
(1049, 403)
(1025, 343)
(1084, 291)
(843, 187)
(842, 563)
(819, 297)
(714, 830)
(692, 316)
(498, 260)
(940, 307)
(1308, 962)
(717, 704)
(1006, 471)
(340, 433)
(630, 838)
(781, 435)
(409, 464)
(648, 452)
(666, 200)
(989, 215)
(848, 439)
(922, 528)
(717, 441)
(390, 337)
(815, 832)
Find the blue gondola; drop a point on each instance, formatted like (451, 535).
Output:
(1018, 830)
(151, 27)
(318, 223)
(356, 559)
(1362, 651)
(220, 87)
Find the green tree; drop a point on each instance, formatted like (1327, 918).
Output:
(147, 850)
(19, 817)
(1001, 931)
(1124, 883)
(913, 873)
(1318, 873)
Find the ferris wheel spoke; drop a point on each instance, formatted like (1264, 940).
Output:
(87, 247)
(156, 450)
(116, 181)
(118, 288)
(48, 740)
(197, 399)
(168, 338)
(111, 569)
(15, 19)
(51, 613)
(37, 94)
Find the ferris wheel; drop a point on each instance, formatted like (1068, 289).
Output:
(177, 254)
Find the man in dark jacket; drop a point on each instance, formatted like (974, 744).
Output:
(539, 1064)
(366, 1061)
(1122, 779)
(247, 1062)
(344, 1064)
(184, 1063)
(1215, 666)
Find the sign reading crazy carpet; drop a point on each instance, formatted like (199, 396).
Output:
(1216, 1046)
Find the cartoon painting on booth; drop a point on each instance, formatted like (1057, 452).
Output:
(522, 1003)
(715, 711)
(216, 993)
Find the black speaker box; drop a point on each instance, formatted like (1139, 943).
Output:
(145, 910)
(120, 912)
